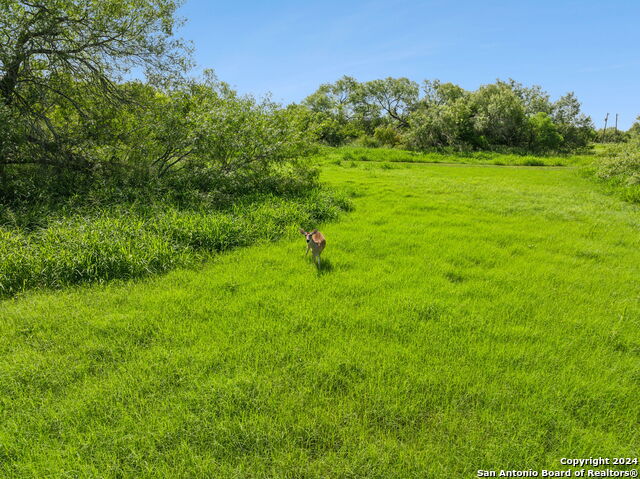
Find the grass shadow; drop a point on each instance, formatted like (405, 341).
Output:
(325, 267)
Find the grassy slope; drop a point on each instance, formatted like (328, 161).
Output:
(466, 318)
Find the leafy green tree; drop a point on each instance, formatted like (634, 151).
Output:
(575, 127)
(499, 115)
(437, 93)
(204, 127)
(338, 111)
(534, 99)
(394, 97)
(442, 117)
(544, 133)
(635, 128)
(60, 58)
(335, 99)
(442, 125)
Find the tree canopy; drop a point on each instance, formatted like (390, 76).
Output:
(61, 59)
(501, 114)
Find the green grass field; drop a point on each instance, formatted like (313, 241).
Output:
(465, 318)
(350, 154)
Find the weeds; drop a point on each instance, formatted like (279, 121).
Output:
(122, 242)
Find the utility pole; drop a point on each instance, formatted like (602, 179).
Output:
(604, 132)
(615, 137)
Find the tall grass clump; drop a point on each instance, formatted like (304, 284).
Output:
(125, 242)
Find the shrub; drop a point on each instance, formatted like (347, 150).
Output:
(387, 135)
(622, 166)
(366, 141)
(199, 136)
(544, 133)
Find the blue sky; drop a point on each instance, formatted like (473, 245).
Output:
(289, 48)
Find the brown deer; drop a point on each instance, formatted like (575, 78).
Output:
(315, 243)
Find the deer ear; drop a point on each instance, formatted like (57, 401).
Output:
(314, 231)
(302, 232)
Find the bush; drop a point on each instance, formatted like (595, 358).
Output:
(622, 165)
(366, 141)
(544, 133)
(202, 134)
(387, 136)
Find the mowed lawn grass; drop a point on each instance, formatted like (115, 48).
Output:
(465, 318)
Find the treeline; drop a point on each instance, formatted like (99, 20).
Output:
(398, 111)
(70, 126)
(193, 139)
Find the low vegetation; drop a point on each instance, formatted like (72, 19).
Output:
(620, 168)
(351, 154)
(131, 241)
(464, 318)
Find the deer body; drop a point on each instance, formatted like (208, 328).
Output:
(315, 243)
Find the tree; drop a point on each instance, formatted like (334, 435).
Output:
(544, 133)
(442, 124)
(393, 96)
(534, 99)
(442, 117)
(338, 112)
(335, 99)
(575, 127)
(58, 56)
(499, 115)
(566, 111)
(438, 93)
(635, 128)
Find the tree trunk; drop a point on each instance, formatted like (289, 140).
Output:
(9, 81)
